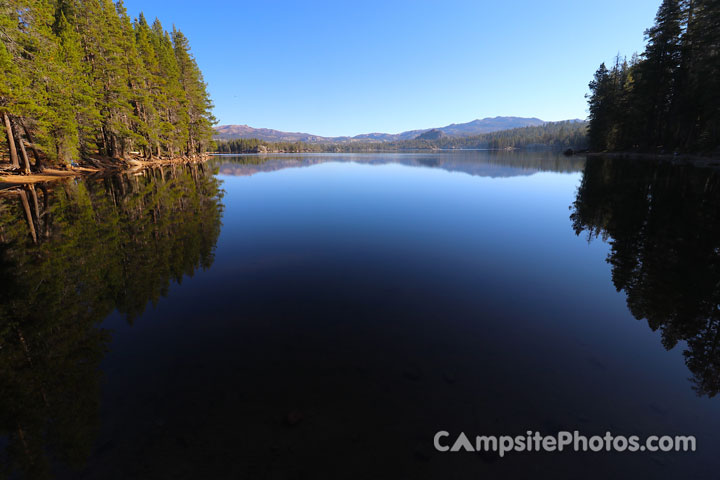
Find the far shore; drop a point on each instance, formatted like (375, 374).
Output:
(91, 166)
(683, 158)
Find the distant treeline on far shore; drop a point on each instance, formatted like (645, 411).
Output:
(559, 135)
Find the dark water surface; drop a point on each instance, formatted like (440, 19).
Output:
(323, 316)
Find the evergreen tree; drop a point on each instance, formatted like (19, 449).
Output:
(670, 97)
(702, 72)
(171, 100)
(658, 72)
(199, 106)
(150, 81)
(599, 104)
(78, 78)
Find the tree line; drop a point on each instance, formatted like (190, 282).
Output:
(80, 78)
(668, 98)
(559, 135)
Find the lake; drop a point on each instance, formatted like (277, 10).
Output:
(324, 315)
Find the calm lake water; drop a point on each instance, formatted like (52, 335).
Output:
(323, 316)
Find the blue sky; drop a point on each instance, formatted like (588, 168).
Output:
(346, 67)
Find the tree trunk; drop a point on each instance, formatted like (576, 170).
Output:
(21, 435)
(113, 194)
(25, 159)
(39, 165)
(36, 204)
(28, 215)
(123, 189)
(46, 213)
(104, 141)
(11, 141)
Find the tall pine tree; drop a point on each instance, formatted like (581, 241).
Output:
(79, 79)
(670, 100)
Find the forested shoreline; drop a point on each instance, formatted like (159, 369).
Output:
(558, 135)
(667, 99)
(80, 80)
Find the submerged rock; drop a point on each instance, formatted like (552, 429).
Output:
(293, 418)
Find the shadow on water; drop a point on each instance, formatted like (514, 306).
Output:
(70, 254)
(662, 222)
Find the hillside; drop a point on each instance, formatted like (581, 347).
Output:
(229, 132)
(434, 134)
(556, 135)
(475, 127)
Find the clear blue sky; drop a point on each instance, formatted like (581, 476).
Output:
(347, 67)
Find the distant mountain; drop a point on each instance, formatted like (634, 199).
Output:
(229, 132)
(488, 125)
(476, 127)
(434, 134)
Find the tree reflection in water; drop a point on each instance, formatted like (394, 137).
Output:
(71, 254)
(663, 224)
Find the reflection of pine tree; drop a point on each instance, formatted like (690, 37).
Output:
(105, 245)
(703, 357)
(663, 222)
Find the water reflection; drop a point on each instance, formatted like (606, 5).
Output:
(351, 312)
(663, 224)
(495, 164)
(70, 254)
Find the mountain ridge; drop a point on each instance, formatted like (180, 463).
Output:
(474, 127)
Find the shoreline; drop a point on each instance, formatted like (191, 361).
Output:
(90, 167)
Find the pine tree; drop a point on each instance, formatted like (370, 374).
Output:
(658, 72)
(671, 96)
(63, 136)
(171, 102)
(26, 55)
(199, 106)
(149, 85)
(599, 105)
(703, 73)
(79, 78)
